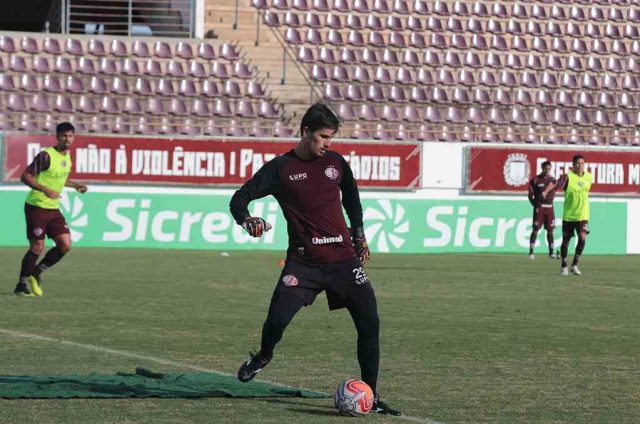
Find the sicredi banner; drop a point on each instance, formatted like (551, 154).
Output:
(206, 162)
(509, 169)
(201, 220)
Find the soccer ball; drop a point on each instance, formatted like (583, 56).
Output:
(354, 397)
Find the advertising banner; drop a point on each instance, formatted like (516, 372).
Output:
(509, 169)
(206, 162)
(203, 221)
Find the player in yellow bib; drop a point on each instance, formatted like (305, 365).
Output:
(575, 219)
(47, 175)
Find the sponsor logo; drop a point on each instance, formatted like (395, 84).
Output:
(327, 240)
(290, 280)
(516, 169)
(38, 231)
(298, 177)
(386, 225)
(331, 172)
(63, 164)
(73, 208)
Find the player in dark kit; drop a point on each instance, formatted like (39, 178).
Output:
(543, 213)
(323, 254)
(47, 175)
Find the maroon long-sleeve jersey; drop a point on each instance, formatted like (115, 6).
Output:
(536, 186)
(308, 192)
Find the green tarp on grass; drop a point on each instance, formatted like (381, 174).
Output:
(142, 384)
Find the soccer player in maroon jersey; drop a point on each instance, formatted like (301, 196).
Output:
(543, 213)
(323, 253)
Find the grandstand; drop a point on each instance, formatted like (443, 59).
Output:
(474, 71)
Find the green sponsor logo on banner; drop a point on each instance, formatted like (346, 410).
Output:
(203, 221)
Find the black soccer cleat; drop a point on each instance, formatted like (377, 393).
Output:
(379, 407)
(253, 366)
(22, 290)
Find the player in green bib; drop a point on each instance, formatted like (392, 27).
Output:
(575, 219)
(47, 175)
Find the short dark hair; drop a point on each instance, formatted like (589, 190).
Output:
(546, 163)
(576, 158)
(319, 116)
(64, 127)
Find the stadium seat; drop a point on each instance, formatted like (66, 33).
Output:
(162, 50)
(118, 48)
(130, 67)
(209, 89)
(177, 107)
(199, 108)
(187, 88)
(96, 85)
(142, 87)
(154, 106)
(86, 105)
(7, 44)
(132, 106)
(28, 45)
(206, 51)
(184, 50)
(175, 69)
(152, 68)
(164, 87)
(107, 66)
(51, 84)
(74, 85)
(119, 86)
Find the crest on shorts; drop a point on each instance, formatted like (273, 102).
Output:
(331, 172)
(38, 231)
(290, 280)
(516, 169)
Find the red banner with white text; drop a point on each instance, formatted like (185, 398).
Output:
(509, 169)
(206, 162)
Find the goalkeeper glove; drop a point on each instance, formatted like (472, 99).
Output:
(360, 244)
(255, 226)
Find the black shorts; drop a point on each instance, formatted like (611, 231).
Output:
(577, 227)
(342, 281)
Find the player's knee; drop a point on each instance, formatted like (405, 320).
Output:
(64, 247)
(37, 247)
(369, 326)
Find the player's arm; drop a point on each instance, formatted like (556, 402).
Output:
(353, 207)
(532, 192)
(562, 183)
(263, 183)
(39, 164)
(80, 188)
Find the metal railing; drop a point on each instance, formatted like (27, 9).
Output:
(164, 18)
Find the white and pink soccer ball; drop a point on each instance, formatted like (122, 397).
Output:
(354, 397)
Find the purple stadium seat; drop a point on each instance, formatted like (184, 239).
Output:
(107, 66)
(153, 68)
(271, 19)
(610, 82)
(29, 45)
(141, 125)
(396, 94)
(121, 125)
(206, 51)
(544, 98)
(244, 108)
(229, 52)
(164, 87)
(466, 78)
(417, 40)
(140, 48)
(118, 48)
(63, 104)
(17, 64)
(507, 78)
(266, 109)
(346, 112)
(333, 21)
(312, 20)
(130, 67)
(434, 24)
(334, 38)
(513, 61)
(432, 115)
(96, 85)
(627, 100)
(39, 103)
(369, 57)
(534, 62)
(361, 74)
(529, 79)
(548, 80)
(411, 114)
(414, 24)
(389, 57)
(325, 55)
(254, 89)
(439, 95)
(291, 20)
(347, 56)
(167, 126)
(175, 69)
(154, 106)
(340, 74)
(187, 88)
(354, 22)
(7, 44)
(241, 71)
(320, 5)
(497, 116)
(312, 36)
(219, 70)
(196, 69)
(481, 97)
(381, 6)
(74, 85)
(594, 64)
(421, 7)
(211, 128)
(487, 78)
(520, 43)
(614, 65)
(305, 55)
(51, 84)
(565, 98)
(454, 116)
(353, 93)
(97, 125)
(498, 42)
(360, 6)
(28, 83)
(231, 89)
(318, 73)
(86, 105)
(445, 77)
(184, 50)
(495, 27)
(119, 86)
(199, 108)
(403, 76)
(367, 112)
(437, 41)
(132, 106)
(503, 97)
(396, 39)
(455, 25)
(355, 38)
(425, 77)
(40, 65)
(84, 66)
(373, 23)
(300, 5)
(400, 7)
(418, 95)
(209, 89)
(559, 45)
(177, 107)
(475, 116)
(162, 50)
(612, 31)
(479, 42)
(257, 130)
(222, 108)
(606, 100)
(332, 92)
(73, 47)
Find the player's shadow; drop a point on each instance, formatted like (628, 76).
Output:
(310, 408)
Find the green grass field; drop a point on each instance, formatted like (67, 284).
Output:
(465, 338)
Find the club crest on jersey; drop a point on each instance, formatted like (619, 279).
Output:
(63, 164)
(331, 172)
(290, 280)
(516, 169)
